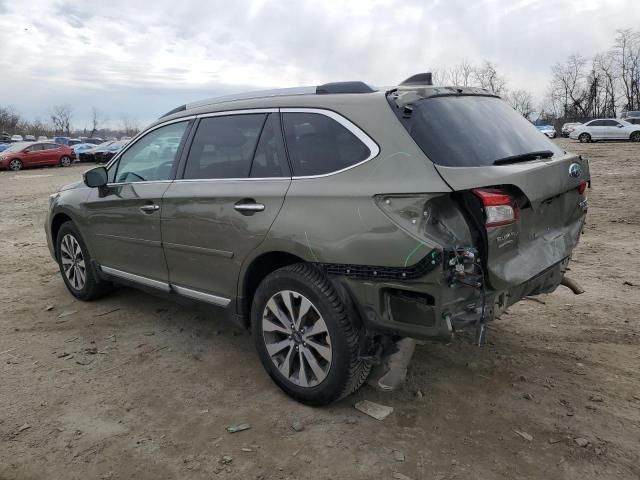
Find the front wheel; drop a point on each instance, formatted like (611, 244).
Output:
(75, 265)
(305, 339)
(584, 138)
(635, 137)
(65, 161)
(15, 165)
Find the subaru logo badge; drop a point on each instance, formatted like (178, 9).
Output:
(575, 170)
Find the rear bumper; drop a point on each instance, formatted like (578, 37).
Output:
(435, 309)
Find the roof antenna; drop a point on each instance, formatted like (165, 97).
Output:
(419, 79)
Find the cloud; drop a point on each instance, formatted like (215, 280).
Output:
(143, 58)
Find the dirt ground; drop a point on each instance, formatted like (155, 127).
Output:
(133, 386)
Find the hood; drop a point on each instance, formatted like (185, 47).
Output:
(73, 185)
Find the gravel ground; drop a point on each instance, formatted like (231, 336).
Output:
(133, 386)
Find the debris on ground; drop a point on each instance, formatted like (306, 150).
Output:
(106, 313)
(527, 396)
(67, 313)
(24, 427)
(375, 410)
(596, 398)
(226, 459)
(238, 428)
(581, 442)
(48, 308)
(297, 426)
(398, 456)
(400, 476)
(245, 449)
(63, 354)
(524, 435)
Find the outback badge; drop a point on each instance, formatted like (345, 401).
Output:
(575, 170)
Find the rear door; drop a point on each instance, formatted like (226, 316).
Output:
(596, 129)
(610, 129)
(480, 142)
(33, 155)
(51, 153)
(232, 186)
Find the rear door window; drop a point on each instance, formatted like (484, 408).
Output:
(470, 130)
(270, 159)
(317, 144)
(223, 147)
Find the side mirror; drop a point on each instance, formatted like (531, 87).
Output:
(619, 126)
(96, 177)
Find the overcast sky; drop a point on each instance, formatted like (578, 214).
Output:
(141, 58)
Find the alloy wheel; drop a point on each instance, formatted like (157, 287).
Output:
(65, 161)
(73, 263)
(15, 165)
(296, 338)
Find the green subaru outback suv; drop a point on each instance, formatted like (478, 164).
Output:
(333, 222)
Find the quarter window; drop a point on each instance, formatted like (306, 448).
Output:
(223, 147)
(317, 144)
(270, 159)
(152, 157)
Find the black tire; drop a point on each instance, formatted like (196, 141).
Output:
(584, 138)
(346, 372)
(65, 161)
(93, 287)
(15, 165)
(635, 136)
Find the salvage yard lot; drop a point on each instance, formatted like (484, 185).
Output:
(135, 386)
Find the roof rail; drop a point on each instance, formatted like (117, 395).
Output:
(344, 87)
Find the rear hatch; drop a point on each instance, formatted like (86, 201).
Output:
(522, 193)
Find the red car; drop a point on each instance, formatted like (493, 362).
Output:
(35, 154)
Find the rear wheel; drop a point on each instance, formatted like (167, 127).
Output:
(75, 265)
(65, 161)
(304, 336)
(584, 138)
(635, 137)
(15, 165)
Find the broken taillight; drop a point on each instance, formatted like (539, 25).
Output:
(582, 187)
(499, 207)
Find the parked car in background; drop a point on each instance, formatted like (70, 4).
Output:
(89, 155)
(94, 140)
(74, 141)
(5, 138)
(29, 138)
(103, 155)
(548, 130)
(633, 120)
(17, 138)
(628, 115)
(4, 146)
(35, 154)
(296, 214)
(567, 128)
(61, 140)
(42, 138)
(82, 147)
(606, 129)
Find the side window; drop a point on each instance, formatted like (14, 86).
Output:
(152, 157)
(224, 146)
(317, 144)
(596, 123)
(270, 159)
(608, 123)
(34, 148)
(51, 146)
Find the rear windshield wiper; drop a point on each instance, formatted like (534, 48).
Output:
(524, 157)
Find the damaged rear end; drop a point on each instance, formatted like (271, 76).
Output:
(517, 207)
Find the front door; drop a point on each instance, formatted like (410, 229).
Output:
(232, 187)
(124, 218)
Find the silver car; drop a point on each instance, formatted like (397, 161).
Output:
(606, 129)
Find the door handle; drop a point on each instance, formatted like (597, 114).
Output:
(149, 208)
(248, 207)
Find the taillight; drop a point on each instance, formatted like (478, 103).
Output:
(582, 187)
(499, 207)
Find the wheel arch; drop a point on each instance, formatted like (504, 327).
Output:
(254, 272)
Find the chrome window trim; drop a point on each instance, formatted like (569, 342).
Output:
(374, 149)
(205, 297)
(136, 278)
(245, 111)
(146, 182)
(242, 179)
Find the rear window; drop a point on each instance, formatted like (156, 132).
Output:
(471, 130)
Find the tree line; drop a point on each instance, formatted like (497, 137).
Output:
(59, 122)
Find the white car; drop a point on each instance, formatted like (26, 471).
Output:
(606, 129)
(548, 130)
(16, 138)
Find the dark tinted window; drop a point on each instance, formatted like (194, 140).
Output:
(270, 159)
(469, 130)
(35, 148)
(609, 123)
(634, 121)
(595, 123)
(51, 146)
(318, 144)
(223, 146)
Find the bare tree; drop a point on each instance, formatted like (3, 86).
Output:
(568, 84)
(626, 57)
(487, 77)
(97, 120)
(522, 102)
(61, 118)
(9, 120)
(129, 127)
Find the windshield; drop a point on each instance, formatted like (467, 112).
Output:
(472, 130)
